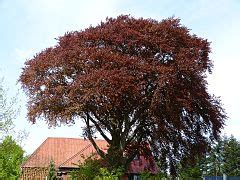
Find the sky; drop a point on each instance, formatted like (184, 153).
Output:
(29, 26)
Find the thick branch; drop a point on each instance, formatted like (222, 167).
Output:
(99, 151)
(131, 157)
(102, 121)
(99, 128)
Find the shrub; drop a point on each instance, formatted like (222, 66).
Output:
(87, 170)
(51, 171)
(105, 174)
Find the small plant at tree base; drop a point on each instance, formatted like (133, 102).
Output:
(87, 170)
(93, 168)
(161, 176)
(105, 174)
(51, 171)
(191, 173)
(145, 175)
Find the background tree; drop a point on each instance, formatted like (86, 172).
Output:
(11, 157)
(9, 110)
(134, 81)
(214, 159)
(51, 171)
(11, 153)
(223, 158)
(231, 157)
(7, 113)
(192, 171)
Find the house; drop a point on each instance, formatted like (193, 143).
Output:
(66, 153)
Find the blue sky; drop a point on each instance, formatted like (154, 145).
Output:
(28, 26)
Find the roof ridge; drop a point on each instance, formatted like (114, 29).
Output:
(83, 139)
(86, 147)
(35, 152)
(66, 138)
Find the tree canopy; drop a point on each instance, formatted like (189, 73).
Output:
(11, 157)
(231, 157)
(223, 158)
(7, 113)
(11, 153)
(140, 83)
(9, 110)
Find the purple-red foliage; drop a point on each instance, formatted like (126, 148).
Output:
(133, 81)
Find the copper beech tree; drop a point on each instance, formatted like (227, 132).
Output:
(135, 82)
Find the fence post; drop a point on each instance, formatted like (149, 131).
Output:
(224, 177)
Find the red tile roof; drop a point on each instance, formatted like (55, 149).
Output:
(64, 151)
(67, 152)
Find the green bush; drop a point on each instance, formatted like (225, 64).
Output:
(87, 170)
(93, 169)
(146, 175)
(105, 174)
(51, 171)
(11, 158)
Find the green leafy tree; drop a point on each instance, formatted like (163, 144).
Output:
(9, 109)
(7, 113)
(189, 173)
(11, 157)
(11, 153)
(223, 158)
(134, 81)
(214, 159)
(51, 171)
(231, 157)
